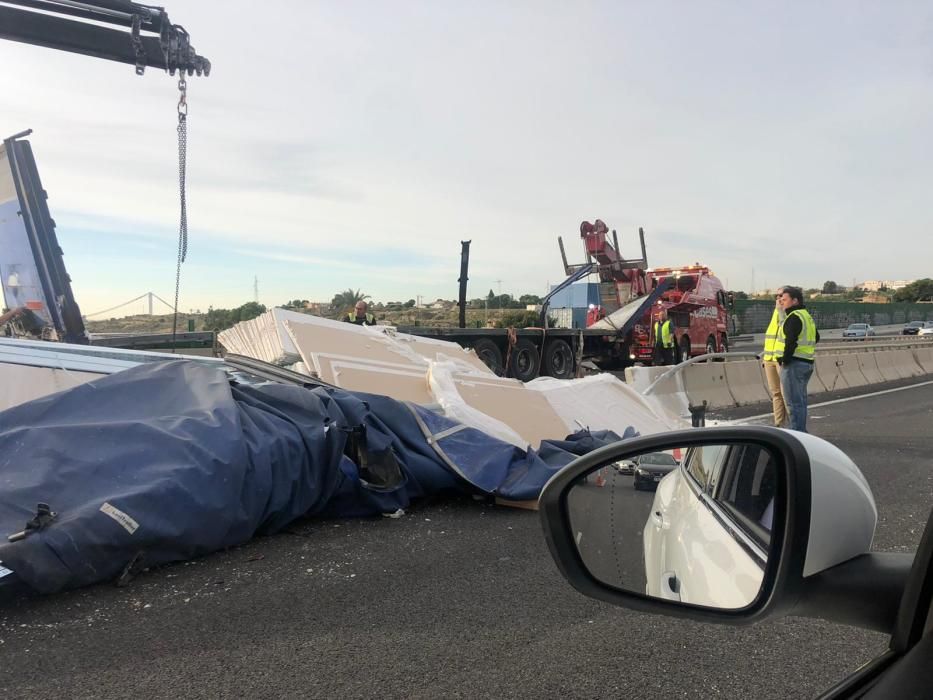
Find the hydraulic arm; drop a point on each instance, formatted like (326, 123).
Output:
(140, 35)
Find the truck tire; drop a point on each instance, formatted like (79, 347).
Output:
(490, 354)
(683, 349)
(710, 345)
(724, 339)
(525, 360)
(558, 359)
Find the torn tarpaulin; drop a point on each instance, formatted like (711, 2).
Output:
(196, 463)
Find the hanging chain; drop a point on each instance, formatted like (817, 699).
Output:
(183, 222)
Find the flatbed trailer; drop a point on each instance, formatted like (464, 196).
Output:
(526, 353)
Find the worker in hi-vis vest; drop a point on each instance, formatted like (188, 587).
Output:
(795, 348)
(359, 315)
(771, 366)
(663, 339)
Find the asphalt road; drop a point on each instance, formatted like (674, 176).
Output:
(456, 599)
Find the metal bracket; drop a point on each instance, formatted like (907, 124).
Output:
(138, 44)
(44, 515)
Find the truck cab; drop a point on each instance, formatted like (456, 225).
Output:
(696, 304)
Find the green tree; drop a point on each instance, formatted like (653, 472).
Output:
(296, 304)
(344, 301)
(918, 290)
(830, 287)
(221, 319)
(526, 299)
(518, 319)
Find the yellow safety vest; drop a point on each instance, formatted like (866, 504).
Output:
(806, 343)
(769, 354)
(665, 332)
(370, 319)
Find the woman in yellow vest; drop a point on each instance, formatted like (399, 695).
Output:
(771, 366)
(795, 348)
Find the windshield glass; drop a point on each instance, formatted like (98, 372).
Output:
(658, 458)
(858, 326)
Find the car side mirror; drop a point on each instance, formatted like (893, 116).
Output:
(727, 524)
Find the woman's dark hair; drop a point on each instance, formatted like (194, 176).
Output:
(795, 293)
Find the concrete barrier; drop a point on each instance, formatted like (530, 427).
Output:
(815, 385)
(924, 357)
(668, 398)
(706, 381)
(887, 365)
(746, 382)
(869, 366)
(904, 359)
(829, 370)
(851, 370)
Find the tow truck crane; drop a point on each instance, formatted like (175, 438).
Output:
(32, 269)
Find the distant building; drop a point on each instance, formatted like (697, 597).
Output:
(317, 308)
(878, 285)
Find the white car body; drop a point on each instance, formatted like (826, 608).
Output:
(926, 330)
(685, 541)
(706, 543)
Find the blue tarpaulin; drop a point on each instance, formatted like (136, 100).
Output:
(169, 461)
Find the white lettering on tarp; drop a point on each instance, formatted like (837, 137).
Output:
(126, 521)
(5, 571)
(706, 312)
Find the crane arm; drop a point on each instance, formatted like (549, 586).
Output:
(140, 35)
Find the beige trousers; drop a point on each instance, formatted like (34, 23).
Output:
(773, 374)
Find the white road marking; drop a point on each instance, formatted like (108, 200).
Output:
(835, 401)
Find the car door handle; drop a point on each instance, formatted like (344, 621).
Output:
(659, 520)
(670, 586)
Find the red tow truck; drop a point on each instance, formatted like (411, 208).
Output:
(697, 305)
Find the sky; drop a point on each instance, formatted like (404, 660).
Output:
(355, 144)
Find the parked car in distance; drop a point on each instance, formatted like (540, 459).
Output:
(914, 327)
(651, 468)
(625, 466)
(858, 330)
(927, 329)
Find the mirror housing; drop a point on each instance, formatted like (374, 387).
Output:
(829, 518)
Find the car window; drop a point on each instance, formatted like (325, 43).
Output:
(747, 489)
(702, 463)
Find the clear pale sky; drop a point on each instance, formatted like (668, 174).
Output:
(355, 144)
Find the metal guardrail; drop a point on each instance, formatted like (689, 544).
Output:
(897, 341)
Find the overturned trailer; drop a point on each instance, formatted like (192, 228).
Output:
(147, 459)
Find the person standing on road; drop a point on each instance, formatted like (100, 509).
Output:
(359, 315)
(770, 363)
(663, 339)
(795, 348)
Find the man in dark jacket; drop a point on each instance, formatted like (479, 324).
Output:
(795, 350)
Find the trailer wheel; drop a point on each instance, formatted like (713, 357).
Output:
(558, 359)
(525, 360)
(683, 349)
(490, 354)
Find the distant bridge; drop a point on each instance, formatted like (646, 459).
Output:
(151, 296)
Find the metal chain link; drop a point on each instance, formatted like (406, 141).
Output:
(183, 221)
